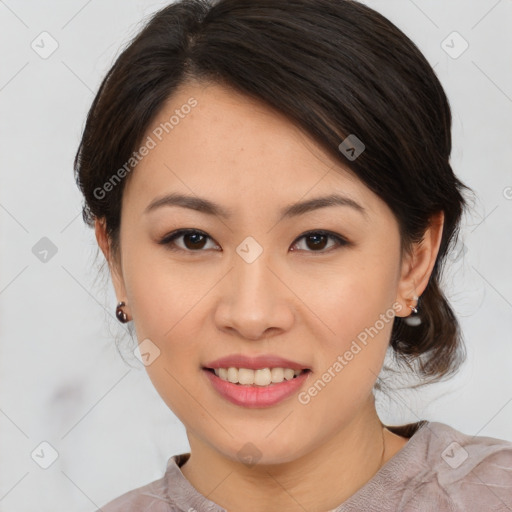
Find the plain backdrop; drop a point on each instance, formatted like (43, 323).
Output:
(63, 381)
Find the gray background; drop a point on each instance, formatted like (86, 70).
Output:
(62, 378)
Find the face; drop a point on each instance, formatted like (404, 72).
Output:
(317, 286)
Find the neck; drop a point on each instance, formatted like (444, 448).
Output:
(318, 481)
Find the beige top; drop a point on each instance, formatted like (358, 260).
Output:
(438, 470)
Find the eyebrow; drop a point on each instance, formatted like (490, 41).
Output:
(211, 208)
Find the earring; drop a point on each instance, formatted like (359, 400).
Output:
(412, 319)
(120, 314)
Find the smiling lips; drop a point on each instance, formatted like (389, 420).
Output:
(255, 363)
(256, 381)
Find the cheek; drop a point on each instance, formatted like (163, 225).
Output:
(349, 361)
(353, 295)
(180, 389)
(162, 293)
(164, 302)
(355, 308)
(356, 313)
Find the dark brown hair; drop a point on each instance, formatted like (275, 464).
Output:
(335, 68)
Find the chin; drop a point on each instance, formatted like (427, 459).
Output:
(261, 450)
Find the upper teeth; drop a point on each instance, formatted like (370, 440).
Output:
(262, 377)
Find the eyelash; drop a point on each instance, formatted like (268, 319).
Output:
(169, 239)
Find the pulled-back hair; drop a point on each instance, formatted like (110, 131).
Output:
(334, 68)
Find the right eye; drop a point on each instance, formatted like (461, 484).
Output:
(193, 240)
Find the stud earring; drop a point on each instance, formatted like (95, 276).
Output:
(120, 314)
(413, 320)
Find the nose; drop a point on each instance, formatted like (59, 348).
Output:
(255, 300)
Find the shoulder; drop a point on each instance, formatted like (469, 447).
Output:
(152, 497)
(468, 472)
(458, 454)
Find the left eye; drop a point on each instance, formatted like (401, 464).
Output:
(318, 240)
(194, 240)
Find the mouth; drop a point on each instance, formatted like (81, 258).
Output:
(262, 377)
(256, 388)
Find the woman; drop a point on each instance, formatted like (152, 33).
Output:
(270, 185)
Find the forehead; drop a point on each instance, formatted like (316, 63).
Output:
(209, 140)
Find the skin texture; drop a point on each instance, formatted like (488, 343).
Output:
(306, 304)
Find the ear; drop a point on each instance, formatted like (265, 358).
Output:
(417, 266)
(114, 265)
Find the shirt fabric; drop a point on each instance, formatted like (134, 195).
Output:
(439, 469)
